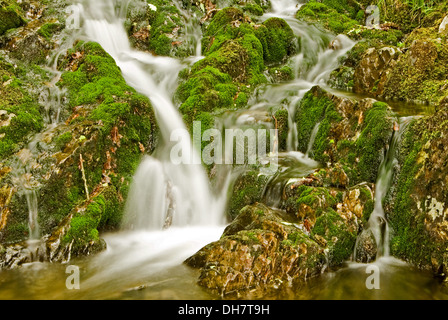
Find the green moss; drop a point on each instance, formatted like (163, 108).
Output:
(276, 38)
(22, 111)
(63, 139)
(410, 238)
(316, 108)
(247, 190)
(375, 136)
(282, 125)
(10, 16)
(84, 226)
(48, 29)
(309, 202)
(340, 239)
(329, 17)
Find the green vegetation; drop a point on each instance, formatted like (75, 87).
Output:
(328, 17)
(21, 114)
(315, 108)
(10, 16)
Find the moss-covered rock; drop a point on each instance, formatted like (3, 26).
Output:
(21, 115)
(236, 54)
(247, 190)
(159, 26)
(261, 249)
(420, 74)
(327, 16)
(416, 203)
(277, 39)
(82, 168)
(11, 16)
(354, 134)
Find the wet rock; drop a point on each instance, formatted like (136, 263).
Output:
(247, 189)
(257, 251)
(420, 73)
(374, 69)
(353, 134)
(416, 206)
(366, 248)
(74, 201)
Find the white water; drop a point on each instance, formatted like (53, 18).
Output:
(159, 184)
(163, 195)
(378, 223)
(311, 66)
(309, 150)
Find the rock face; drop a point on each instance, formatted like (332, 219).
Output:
(319, 215)
(374, 69)
(79, 169)
(351, 134)
(416, 205)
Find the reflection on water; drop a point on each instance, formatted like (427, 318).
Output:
(401, 108)
(397, 281)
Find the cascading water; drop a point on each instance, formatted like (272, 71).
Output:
(171, 211)
(150, 258)
(311, 66)
(378, 226)
(160, 188)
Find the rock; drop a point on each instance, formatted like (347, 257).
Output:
(419, 73)
(257, 251)
(374, 69)
(74, 202)
(351, 133)
(366, 248)
(10, 16)
(416, 206)
(443, 28)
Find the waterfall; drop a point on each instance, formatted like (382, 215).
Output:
(377, 225)
(312, 139)
(162, 193)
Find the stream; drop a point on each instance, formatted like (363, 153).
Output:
(144, 261)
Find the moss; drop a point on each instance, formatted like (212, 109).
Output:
(277, 39)
(375, 136)
(118, 126)
(48, 29)
(315, 108)
(84, 226)
(340, 239)
(157, 26)
(413, 238)
(247, 190)
(329, 17)
(22, 118)
(63, 140)
(10, 16)
(424, 65)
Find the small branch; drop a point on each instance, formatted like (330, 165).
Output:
(81, 164)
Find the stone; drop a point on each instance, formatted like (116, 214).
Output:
(373, 70)
(443, 28)
(366, 248)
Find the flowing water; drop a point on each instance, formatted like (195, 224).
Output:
(172, 211)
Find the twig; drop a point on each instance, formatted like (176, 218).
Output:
(81, 161)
